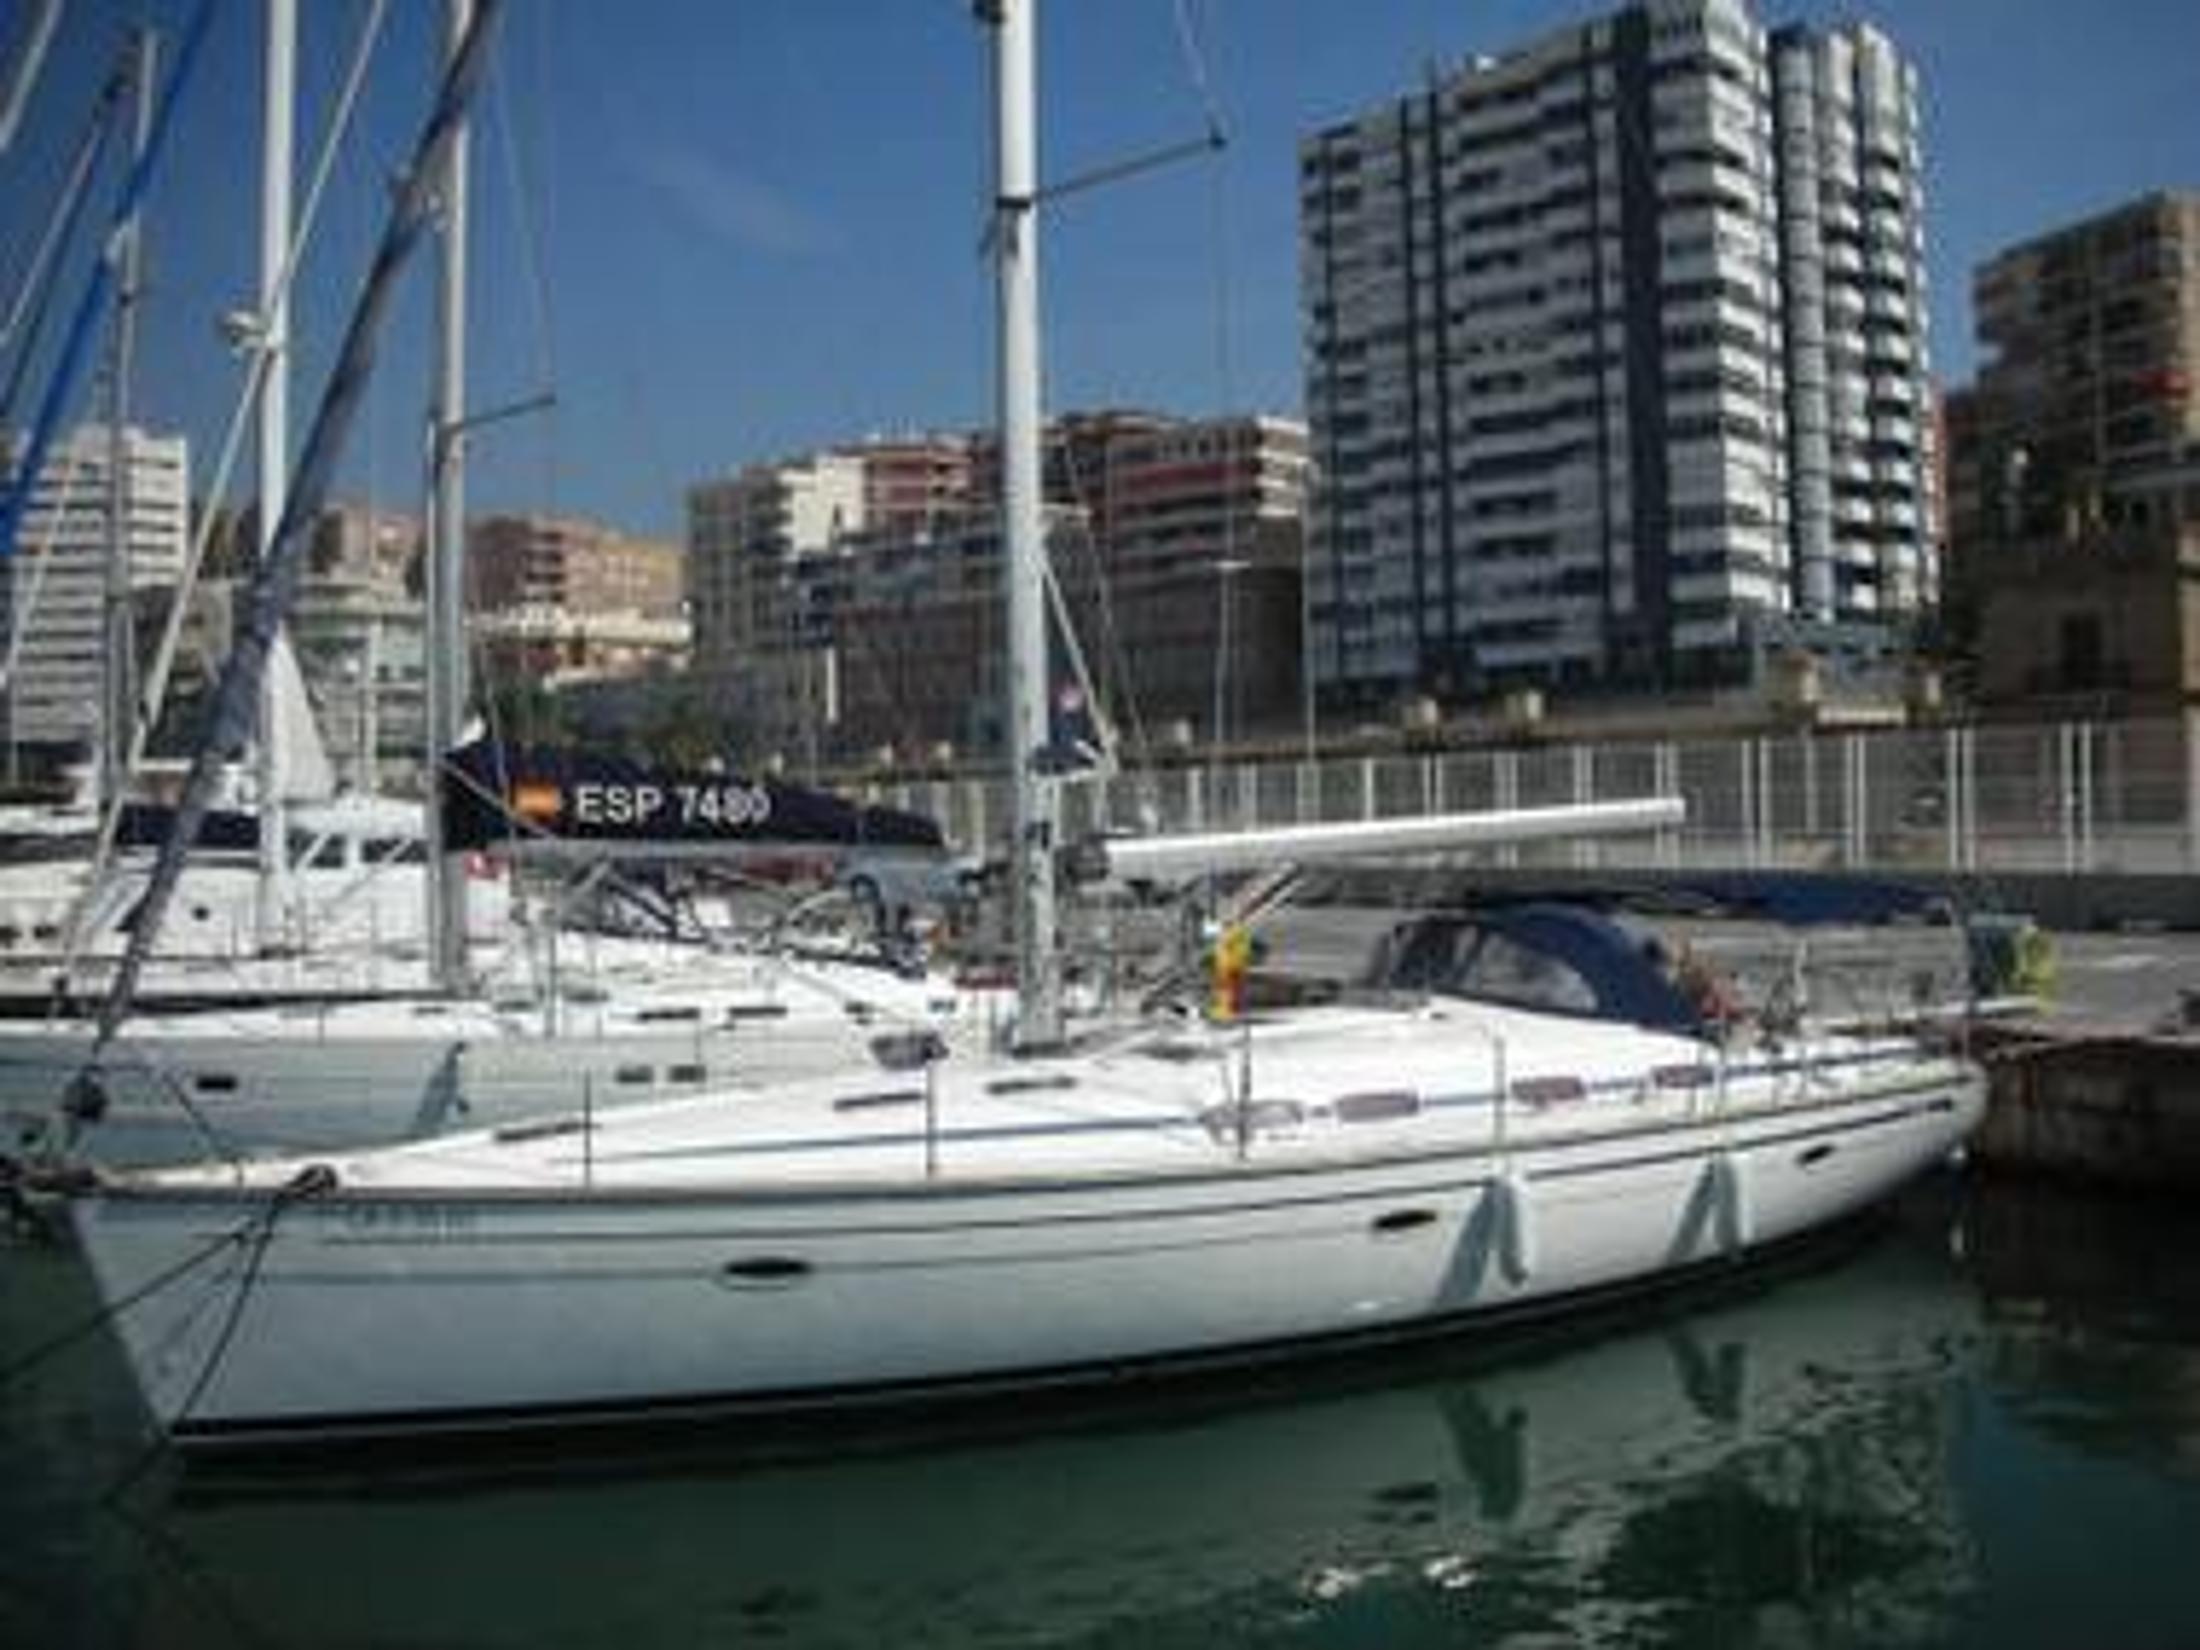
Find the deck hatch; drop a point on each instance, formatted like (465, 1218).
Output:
(1378, 1106)
(1550, 1090)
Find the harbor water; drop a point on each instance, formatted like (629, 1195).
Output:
(1976, 1422)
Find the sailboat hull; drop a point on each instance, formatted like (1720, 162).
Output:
(332, 1077)
(184, 1099)
(356, 1312)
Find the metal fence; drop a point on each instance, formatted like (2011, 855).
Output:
(2059, 796)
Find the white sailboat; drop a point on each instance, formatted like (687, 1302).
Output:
(326, 1003)
(351, 920)
(278, 898)
(1515, 1126)
(1145, 1517)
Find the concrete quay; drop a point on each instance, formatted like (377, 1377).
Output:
(2094, 1100)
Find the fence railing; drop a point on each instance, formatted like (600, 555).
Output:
(2057, 796)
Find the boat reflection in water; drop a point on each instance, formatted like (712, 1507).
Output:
(1780, 1452)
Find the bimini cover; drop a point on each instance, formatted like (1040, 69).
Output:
(499, 796)
(1549, 956)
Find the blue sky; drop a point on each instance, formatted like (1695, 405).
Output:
(722, 230)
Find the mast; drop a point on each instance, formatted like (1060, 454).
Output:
(1016, 251)
(446, 707)
(118, 655)
(235, 699)
(16, 95)
(274, 337)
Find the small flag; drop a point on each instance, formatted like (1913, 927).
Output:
(537, 801)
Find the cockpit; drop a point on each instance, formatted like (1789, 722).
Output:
(1555, 959)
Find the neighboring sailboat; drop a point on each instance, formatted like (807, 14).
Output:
(554, 1020)
(350, 914)
(295, 1059)
(69, 895)
(1510, 1137)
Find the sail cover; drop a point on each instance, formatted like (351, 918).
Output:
(499, 796)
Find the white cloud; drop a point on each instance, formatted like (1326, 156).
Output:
(728, 205)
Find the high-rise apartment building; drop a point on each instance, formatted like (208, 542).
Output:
(1177, 544)
(569, 565)
(1616, 364)
(911, 482)
(1191, 602)
(2074, 467)
(1863, 450)
(53, 591)
(2086, 398)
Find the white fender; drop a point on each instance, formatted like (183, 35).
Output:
(1732, 1205)
(1516, 1237)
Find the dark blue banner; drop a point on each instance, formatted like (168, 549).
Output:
(500, 794)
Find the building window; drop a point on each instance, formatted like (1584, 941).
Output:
(2082, 652)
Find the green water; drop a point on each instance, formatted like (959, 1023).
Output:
(1976, 1425)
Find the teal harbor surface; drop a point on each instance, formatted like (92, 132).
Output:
(1974, 1423)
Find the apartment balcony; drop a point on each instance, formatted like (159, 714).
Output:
(1900, 478)
(1559, 221)
(1890, 360)
(1885, 301)
(1846, 299)
(1847, 430)
(1526, 445)
(1529, 400)
(1493, 284)
(1859, 515)
(1734, 539)
(1722, 313)
(1726, 587)
(1893, 395)
(1719, 632)
(1722, 449)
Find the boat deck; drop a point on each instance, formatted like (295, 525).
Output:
(1339, 1084)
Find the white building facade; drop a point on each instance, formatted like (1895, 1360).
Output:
(1853, 267)
(53, 591)
(747, 533)
(1550, 327)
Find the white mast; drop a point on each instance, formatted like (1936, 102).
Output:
(1016, 244)
(15, 96)
(279, 102)
(446, 639)
(118, 653)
